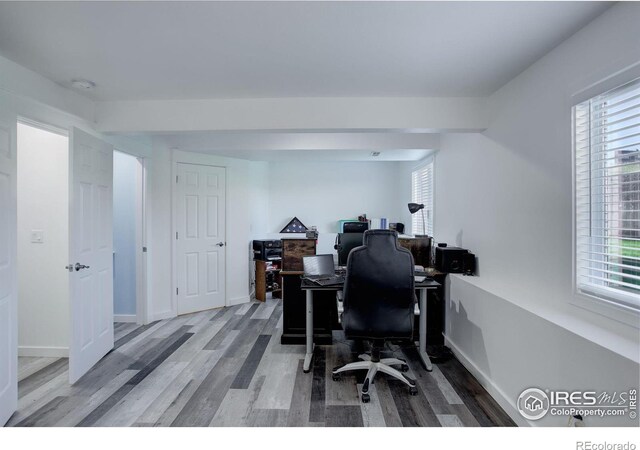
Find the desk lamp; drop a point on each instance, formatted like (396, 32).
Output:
(414, 208)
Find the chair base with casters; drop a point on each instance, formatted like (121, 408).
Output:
(373, 364)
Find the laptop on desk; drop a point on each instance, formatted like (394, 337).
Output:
(321, 270)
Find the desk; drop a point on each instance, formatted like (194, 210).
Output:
(310, 287)
(294, 312)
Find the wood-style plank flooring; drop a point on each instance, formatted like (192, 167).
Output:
(226, 367)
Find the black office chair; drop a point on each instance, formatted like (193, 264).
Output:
(378, 304)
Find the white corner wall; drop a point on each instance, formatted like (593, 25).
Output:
(258, 199)
(243, 194)
(43, 284)
(262, 197)
(506, 195)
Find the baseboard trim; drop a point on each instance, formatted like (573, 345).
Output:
(43, 352)
(498, 395)
(238, 300)
(126, 318)
(162, 316)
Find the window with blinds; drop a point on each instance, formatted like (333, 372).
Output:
(607, 195)
(422, 192)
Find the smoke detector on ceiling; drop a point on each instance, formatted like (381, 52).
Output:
(82, 84)
(375, 153)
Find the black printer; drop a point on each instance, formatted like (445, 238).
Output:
(267, 250)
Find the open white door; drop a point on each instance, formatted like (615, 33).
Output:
(200, 234)
(8, 271)
(90, 251)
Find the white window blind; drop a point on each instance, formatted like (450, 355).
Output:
(422, 192)
(607, 195)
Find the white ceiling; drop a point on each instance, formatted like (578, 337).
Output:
(185, 50)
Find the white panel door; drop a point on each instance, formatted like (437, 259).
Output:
(200, 234)
(8, 272)
(90, 251)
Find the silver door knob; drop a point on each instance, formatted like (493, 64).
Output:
(79, 267)
(220, 244)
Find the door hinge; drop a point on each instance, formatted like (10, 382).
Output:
(176, 178)
(176, 291)
(144, 249)
(176, 235)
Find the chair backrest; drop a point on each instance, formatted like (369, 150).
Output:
(379, 288)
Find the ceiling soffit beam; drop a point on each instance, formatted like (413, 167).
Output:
(225, 141)
(30, 87)
(456, 114)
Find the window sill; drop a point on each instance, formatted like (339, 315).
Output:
(607, 309)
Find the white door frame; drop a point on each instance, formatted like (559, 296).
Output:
(142, 306)
(178, 157)
(142, 300)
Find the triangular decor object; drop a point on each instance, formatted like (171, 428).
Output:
(294, 226)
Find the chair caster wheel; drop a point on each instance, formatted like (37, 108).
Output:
(365, 398)
(413, 391)
(404, 368)
(335, 376)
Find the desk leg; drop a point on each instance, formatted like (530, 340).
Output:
(426, 362)
(309, 329)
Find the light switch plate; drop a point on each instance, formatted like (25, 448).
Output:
(37, 236)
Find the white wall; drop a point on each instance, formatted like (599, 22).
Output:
(506, 195)
(125, 192)
(43, 284)
(259, 198)
(322, 193)
(159, 234)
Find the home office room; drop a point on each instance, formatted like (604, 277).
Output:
(335, 214)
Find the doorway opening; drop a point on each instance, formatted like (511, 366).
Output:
(43, 247)
(128, 241)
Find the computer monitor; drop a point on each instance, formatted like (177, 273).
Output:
(345, 243)
(318, 265)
